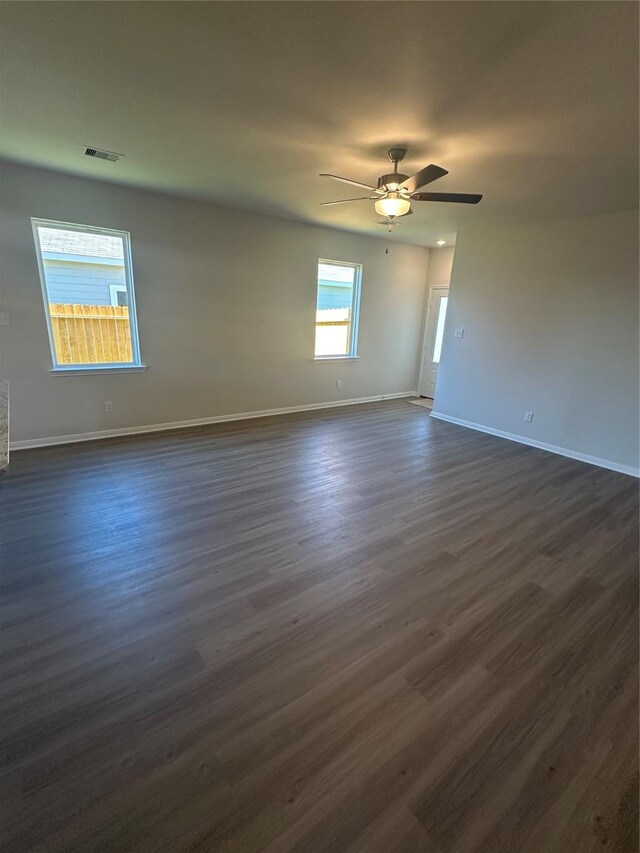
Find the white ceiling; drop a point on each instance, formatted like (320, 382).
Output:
(533, 104)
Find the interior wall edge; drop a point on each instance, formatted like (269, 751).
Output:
(541, 445)
(50, 441)
(547, 322)
(221, 206)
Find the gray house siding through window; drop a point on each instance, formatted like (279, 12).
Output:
(80, 283)
(333, 294)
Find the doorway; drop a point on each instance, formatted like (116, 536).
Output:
(433, 337)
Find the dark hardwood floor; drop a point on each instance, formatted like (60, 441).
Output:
(351, 630)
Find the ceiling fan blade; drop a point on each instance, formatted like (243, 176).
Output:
(345, 200)
(349, 181)
(460, 198)
(423, 177)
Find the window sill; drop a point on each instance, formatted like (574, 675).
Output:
(336, 358)
(92, 371)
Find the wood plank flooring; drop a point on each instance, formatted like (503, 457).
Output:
(358, 630)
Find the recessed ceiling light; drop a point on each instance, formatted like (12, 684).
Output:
(441, 242)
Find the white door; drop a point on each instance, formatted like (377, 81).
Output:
(434, 330)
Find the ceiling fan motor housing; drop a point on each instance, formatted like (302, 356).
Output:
(392, 178)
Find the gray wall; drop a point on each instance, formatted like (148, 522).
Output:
(550, 318)
(226, 307)
(440, 264)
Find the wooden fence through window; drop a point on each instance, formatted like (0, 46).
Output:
(91, 334)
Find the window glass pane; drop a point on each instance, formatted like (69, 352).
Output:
(86, 295)
(442, 313)
(335, 307)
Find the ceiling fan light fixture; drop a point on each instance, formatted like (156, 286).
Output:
(395, 192)
(393, 205)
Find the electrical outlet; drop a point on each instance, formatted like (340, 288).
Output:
(528, 416)
(458, 333)
(339, 384)
(5, 320)
(108, 405)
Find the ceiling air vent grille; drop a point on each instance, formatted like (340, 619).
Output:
(99, 154)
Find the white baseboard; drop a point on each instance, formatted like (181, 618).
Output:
(216, 419)
(541, 445)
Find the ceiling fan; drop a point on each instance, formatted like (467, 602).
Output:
(395, 192)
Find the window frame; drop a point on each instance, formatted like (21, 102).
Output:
(90, 367)
(438, 332)
(355, 312)
(114, 290)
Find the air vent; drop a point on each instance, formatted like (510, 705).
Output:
(99, 154)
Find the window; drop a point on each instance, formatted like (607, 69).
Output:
(118, 293)
(442, 313)
(337, 309)
(87, 285)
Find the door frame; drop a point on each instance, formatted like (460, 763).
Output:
(425, 329)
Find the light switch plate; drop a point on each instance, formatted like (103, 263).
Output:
(458, 333)
(5, 320)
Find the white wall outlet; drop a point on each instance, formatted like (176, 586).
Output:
(528, 416)
(339, 384)
(5, 320)
(458, 333)
(108, 405)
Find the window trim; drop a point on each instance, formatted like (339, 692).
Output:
(335, 358)
(89, 367)
(106, 367)
(352, 352)
(114, 289)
